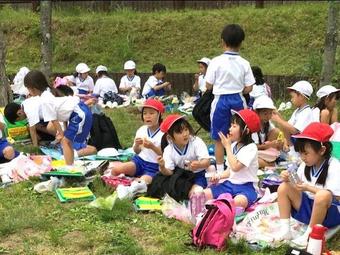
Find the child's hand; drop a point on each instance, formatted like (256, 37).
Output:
(147, 144)
(284, 176)
(59, 136)
(138, 141)
(161, 162)
(302, 186)
(196, 76)
(225, 140)
(194, 165)
(215, 178)
(276, 116)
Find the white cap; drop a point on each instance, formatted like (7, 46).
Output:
(129, 65)
(303, 87)
(204, 60)
(101, 68)
(263, 102)
(326, 90)
(82, 68)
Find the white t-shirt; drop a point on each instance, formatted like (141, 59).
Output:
(229, 73)
(33, 110)
(150, 84)
(196, 149)
(57, 108)
(202, 83)
(301, 118)
(332, 181)
(127, 82)
(259, 90)
(86, 84)
(316, 114)
(104, 85)
(261, 134)
(156, 138)
(247, 155)
(3, 122)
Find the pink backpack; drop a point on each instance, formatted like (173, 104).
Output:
(216, 224)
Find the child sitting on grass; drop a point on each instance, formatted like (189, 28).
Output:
(242, 161)
(184, 150)
(315, 197)
(155, 86)
(147, 146)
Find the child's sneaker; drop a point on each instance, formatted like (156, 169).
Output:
(301, 242)
(138, 187)
(123, 192)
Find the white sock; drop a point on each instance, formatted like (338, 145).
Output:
(75, 154)
(220, 168)
(284, 233)
(302, 240)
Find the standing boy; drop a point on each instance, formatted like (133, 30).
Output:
(229, 76)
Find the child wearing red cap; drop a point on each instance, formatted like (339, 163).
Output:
(242, 160)
(314, 199)
(184, 150)
(147, 147)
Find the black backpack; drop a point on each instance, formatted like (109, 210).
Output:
(103, 133)
(112, 97)
(176, 185)
(201, 111)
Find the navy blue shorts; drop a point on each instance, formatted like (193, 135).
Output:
(3, 144)
(246, 189)
(220, 114)
(305, 212)
(144, 167)
(200, 179)
(82, 92)
(80, 124)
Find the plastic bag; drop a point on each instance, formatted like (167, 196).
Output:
(105, 203)
(172, 209)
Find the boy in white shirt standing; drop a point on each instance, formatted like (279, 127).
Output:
(155, 86)
(229, 76)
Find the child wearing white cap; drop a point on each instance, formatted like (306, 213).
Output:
(83, 80)
(300, 93)
(199, 85)
(267, 138)
(325, 109)
(130, 83)
(104, 83)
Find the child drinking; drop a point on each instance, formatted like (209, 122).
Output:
(200, 84)
(314, 198)
(325, 109)
(147, 146)
(184, 150)
(242, 160)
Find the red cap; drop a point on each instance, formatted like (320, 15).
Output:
(320, 132)
(251, 119)
(169, 121)
(155, 104)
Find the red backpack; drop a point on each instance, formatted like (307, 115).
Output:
(216, 224)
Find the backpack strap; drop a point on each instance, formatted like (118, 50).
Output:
(225, 204)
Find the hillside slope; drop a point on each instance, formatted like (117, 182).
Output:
(284, 39)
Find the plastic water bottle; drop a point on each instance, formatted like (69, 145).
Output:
(316, 241)
(293, 177)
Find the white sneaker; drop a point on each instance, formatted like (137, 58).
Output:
(123, 192)
(138, 187)
(300, 242)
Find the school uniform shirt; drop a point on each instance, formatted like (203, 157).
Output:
(150, 84)
(259, 90)
(316, 114)
(196, 149)
(332, 181)
(130, 82)
(57, 108)
(104, 85)
(202, 83)
(301, 118)
(33, 111)
(247, 155)
(156, 138)
(260, 137)
(86, 84)
(229, 73)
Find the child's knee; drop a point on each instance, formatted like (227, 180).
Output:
(283, 188)
(9, 153)
(241, 200)
(323, 197)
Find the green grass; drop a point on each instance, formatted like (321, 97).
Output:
(34, 223)
(282, 39)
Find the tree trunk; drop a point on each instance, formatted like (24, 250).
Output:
(46, 33)
(4, 82)
(331, 41)
(259, 4)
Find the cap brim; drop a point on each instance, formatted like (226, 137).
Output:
(300, 136)
(173, 121)
(291, 88)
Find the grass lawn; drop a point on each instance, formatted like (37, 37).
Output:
(34, 223)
